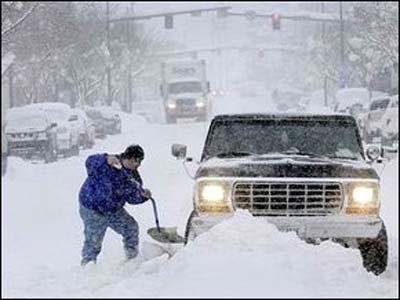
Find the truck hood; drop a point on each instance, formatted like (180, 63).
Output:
(285, 166)
(185, 95)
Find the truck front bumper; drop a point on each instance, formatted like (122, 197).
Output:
(307, 227)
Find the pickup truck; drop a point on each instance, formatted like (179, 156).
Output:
(306, 173)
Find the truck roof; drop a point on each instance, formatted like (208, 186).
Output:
(300, 116)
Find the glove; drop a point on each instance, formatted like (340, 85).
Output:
(113, 161)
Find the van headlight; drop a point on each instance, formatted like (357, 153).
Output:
(213, 196)
(200, 102)
(362, 198)
(171, 104)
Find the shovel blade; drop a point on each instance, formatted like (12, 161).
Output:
(166, 235)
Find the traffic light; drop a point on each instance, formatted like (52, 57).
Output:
(169, 21)
(276, 21)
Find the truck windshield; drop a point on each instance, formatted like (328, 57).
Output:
(328, 138)
(185, 87)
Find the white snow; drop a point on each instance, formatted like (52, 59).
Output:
(42, 236)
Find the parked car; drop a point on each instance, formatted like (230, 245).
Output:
(106, 119)
(86, 128)
(31, 133)
(301, 172)
(97, 119)
(111, 118)
(67, 135)
(390, 122)
(373, 118)
(4, 151)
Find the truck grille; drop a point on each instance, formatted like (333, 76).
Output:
(282, 198)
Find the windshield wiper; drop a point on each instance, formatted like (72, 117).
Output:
(295, 151)
(234, 154)
(344, 157)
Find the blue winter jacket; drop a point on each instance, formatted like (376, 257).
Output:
(106, 189)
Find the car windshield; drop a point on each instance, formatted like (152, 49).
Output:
(328, 138)
(185, 87)
(93, 114)
(57, 114)
(379, 104)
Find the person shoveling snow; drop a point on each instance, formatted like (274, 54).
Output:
(112, 181)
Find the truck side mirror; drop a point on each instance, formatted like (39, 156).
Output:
(208, 87)
(179, 151)
(374, 153)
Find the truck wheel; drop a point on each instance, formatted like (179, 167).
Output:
(374, 252)
(170, 119)
(190, 234)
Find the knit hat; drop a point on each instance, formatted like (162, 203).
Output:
(133, 151)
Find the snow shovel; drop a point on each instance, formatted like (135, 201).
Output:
(164, 234)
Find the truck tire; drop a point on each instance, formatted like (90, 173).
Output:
(374, 252)
(170, 119)
(190, 234)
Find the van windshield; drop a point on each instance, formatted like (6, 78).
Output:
(185, 87)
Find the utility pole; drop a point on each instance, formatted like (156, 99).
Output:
(323, 41)
(11, 85)
(109, 100)
(342, 73)
(128, 103)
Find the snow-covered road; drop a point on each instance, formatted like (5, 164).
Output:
(241, 257)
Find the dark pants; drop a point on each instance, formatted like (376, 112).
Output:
(96, 225)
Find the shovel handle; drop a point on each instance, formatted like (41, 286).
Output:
(155, 214)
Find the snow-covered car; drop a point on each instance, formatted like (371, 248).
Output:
(390, 122)
(111, 119)
(106, 119)
(97, 119)
(4, 151)
(302, 172)
(352, 100)
(31, 133)
(373, 119)
(86, 128)
(67, 135)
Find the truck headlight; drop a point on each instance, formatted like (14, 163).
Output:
(171, 104)
(363, 198)
(212, 193)
(200, 102)
(212, 196)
